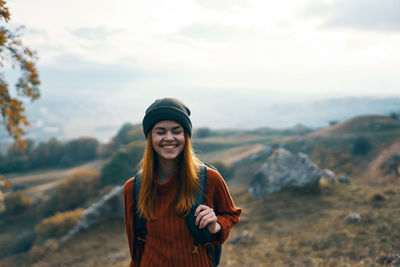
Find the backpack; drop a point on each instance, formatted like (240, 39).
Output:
(200, 236)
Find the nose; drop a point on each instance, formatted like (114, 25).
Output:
(169, 136)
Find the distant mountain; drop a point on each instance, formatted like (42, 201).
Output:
(67, 118)
(319, 113)
(360, 125)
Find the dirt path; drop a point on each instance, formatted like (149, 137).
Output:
(228, 157)
(39, 182)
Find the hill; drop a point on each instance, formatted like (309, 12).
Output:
(275, 230)
(66, 118)
(348, 147)
(385, 168)
(279, 232)
(364, 124)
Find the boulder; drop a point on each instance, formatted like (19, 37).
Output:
(283, 170)
(110, 206)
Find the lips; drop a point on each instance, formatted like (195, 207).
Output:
(169, 146)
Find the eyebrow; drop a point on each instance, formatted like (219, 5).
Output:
(173, 128)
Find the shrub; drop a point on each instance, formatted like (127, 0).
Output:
(79, 150)
(333, 122)
(69, 195)
(16, 203)
(361, 145)
(24, 242)
(39, 252)
(77, 189)
(127, 134)
(58, 225)
(394, 115)
(225, 171)
(376, 197)
(123, 164)
(202, 132)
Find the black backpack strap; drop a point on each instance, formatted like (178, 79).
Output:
(140, 221)
(202, 236)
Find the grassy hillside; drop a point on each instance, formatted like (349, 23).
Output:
(385, 168)
(285, 229)
(347, 148)
(39, 182)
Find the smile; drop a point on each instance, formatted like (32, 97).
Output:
(169, 146)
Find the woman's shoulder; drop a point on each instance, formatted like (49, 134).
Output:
(129, 185)
(214, 178)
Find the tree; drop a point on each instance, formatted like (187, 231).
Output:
(14, 53)
(123, 164)
(202, 132)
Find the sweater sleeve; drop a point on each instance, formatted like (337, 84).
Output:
(129, 217)
(219, 198)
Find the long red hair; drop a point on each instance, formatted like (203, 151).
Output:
(188, 180)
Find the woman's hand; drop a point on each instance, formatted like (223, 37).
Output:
(205, 216)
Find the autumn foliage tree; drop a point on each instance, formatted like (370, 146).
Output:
(16, 55)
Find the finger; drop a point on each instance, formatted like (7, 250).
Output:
(207, 216)
(206, 220)
(202, 214)
(199, 209)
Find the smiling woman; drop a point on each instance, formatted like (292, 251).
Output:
(169, 182)
(168, 140)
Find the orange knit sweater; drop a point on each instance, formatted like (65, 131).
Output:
(168, 240)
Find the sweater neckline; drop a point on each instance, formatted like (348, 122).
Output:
(168, 184)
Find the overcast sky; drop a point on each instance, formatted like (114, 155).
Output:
(131, 52)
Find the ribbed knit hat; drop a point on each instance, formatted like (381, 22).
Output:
(167, 109)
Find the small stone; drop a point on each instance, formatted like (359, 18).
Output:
(344, 180)
(352, 218)
(383, 239)
(244, 237)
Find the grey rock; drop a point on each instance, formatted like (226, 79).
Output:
(344, 180)
(283, 170)
(243, 238)
(110, 206)
(352, 218)
(329, 176)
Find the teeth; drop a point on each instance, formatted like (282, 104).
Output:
(169, 147)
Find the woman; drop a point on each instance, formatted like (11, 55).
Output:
(169, 178)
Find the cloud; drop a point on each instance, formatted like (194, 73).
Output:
(70, 72)
(209, 32)
(223, 5)
(92, 33)
(365, 15)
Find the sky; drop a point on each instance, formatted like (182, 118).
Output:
(119, 56)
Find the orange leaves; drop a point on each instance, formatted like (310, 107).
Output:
(4, 13)
(18, 55)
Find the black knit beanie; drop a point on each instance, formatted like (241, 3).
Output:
(167, 109)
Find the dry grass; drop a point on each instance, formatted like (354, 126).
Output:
(40, 182)
(229, 156)
(289, 229)
(309, 230)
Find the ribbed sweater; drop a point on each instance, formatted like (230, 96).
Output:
(168, 240)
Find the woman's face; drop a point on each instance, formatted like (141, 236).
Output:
(168, 139)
